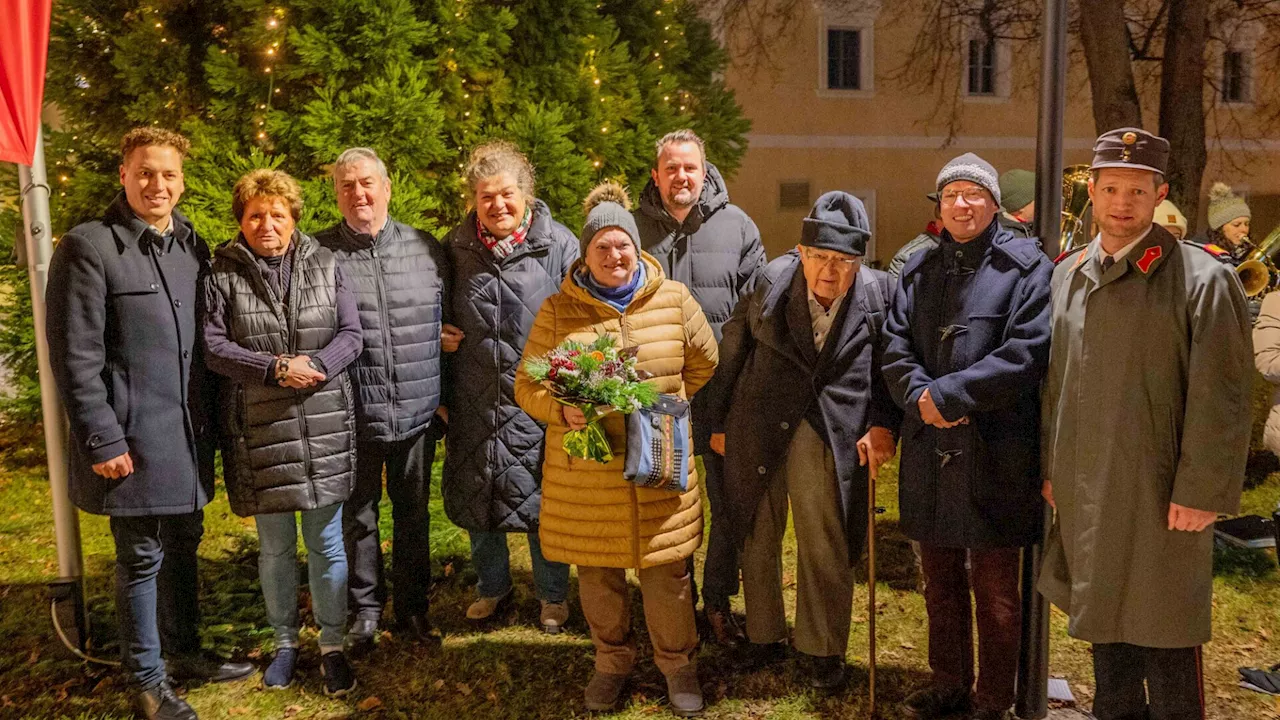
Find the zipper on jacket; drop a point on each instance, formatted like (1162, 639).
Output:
(295, 295)
(497, 340)
(385, 322)
(635, 497)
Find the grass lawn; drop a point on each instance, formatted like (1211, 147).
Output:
(509, 669)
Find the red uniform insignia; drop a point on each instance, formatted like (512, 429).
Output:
(1152, 254)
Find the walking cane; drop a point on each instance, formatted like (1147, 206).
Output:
(871, 588)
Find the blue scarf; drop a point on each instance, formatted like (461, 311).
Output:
(617, 298)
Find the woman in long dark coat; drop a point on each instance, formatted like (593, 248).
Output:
(508, 255)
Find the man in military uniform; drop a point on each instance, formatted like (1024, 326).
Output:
(1145, 432)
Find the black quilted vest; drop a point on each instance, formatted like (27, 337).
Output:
(284, 450)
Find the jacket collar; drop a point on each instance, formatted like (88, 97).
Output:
(844, 326)
(352, 240)
(237, 249)
(714, 196)
(654, 278)
(1144, 259)
(538, 238)
(128, 228)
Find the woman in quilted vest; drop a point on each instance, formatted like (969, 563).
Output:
(507, 256)
(591, 516)
(281, 327)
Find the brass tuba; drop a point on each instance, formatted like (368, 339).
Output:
(1258, 271)
(1075, 204)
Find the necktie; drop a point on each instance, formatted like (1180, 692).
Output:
(1107, 262)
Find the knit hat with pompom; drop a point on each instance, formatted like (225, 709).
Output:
(608, 205)
(1225, 206)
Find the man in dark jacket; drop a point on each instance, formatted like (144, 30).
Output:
(798, 408)
(700, 239)
(123, 346)
(968, 347)
(398, 275)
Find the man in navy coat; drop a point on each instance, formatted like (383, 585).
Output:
(968, 346)
(122, 343)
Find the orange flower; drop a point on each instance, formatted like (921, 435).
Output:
(599, 356)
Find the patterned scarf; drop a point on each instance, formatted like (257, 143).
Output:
(504, 247)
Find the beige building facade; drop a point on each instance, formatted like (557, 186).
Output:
(831, 111)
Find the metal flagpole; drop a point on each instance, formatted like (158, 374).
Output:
(68, 590)
(1033, 659)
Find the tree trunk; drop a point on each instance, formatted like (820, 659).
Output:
(1105, 37)
(1182, 82)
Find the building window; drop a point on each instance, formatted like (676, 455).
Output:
(793, 195)
(1235, 76)
(844, 59)
(982, 67)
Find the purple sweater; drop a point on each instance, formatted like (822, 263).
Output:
(225, 357)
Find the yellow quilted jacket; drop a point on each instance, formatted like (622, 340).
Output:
(590, 515)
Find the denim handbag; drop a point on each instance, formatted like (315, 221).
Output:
(658, 445)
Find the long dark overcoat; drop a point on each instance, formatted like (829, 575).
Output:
(123, 346)
(771, 378)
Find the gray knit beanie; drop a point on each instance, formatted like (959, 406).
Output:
(608, 205)
(974, 169)
(1225, 206)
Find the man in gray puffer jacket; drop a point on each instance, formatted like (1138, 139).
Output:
(700, 239)
(399, 276)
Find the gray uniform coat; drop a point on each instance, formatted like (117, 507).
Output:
(1147, 402)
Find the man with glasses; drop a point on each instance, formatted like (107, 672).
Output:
(800, 413)
(968, 344)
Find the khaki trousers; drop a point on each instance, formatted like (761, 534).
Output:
(824, 577)
(668, 613)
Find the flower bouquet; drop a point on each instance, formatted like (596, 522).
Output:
(598, 378)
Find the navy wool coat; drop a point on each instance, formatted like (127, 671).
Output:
(975, 333)
(124, 351)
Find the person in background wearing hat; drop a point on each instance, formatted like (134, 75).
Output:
(591, 516)
(688, 225)
(1169, 217)
(926, 240)
(968, 342)
(1228, 222)
(1146, 424)
(1018, 202)
(801, 413)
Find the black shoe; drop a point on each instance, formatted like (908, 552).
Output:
(339, 678)
(757, 656)
(724, 627)
(361, 636)
(417, 628)
(206, 667)
(937, 701)
(827, 674)
(989, 714)
(160, 703)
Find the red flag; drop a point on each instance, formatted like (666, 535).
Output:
(24, 51)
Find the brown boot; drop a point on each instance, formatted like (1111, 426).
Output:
(603, 691)
(684, 693)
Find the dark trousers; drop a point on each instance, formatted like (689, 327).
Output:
(993, 578)
(720, 567)
(408, 467)
(1141, 683)
(156, 598)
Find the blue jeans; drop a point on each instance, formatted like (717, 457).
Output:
(493, 566)
(326, 568)
(156, 603)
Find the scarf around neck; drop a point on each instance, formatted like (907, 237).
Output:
(504, 247)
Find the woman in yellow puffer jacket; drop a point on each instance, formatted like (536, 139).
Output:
(591, 516)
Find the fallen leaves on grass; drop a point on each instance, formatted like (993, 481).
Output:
(370, 703)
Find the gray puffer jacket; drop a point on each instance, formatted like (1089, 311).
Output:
(399, 279)
(493, 464)
(716, 251)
